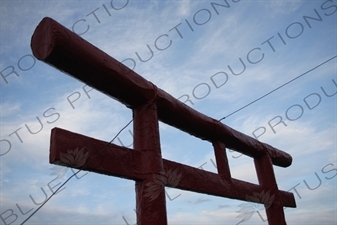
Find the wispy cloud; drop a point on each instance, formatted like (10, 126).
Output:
(9, 109)
(189, 61)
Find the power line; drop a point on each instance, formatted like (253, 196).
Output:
(77, 171)
(263, 96)
(152, 103)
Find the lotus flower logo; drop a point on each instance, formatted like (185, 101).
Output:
(72, 158)
(153, 189)
(248, 209)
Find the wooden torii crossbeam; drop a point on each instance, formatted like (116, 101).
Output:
(63, 49)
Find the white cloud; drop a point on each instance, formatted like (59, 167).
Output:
(184, 7)
(8, 109)
(177, 70)
(282, 6)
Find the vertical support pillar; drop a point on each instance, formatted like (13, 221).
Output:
(266, 177)
(150, 192)
(221, 160)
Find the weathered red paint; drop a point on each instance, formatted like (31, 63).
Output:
(147, 143)
(111, 159)
(63, 49)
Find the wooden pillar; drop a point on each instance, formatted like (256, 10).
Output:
(266, 177)
(221, 160)
(150, 192)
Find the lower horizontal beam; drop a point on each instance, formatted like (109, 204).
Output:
(85, 153)
(197, 180)
(78, 151)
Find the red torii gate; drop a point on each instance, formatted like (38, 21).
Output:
(63, 49)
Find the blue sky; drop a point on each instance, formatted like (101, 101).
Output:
(207, 42)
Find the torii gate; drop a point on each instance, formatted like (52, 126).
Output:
(63, 49)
